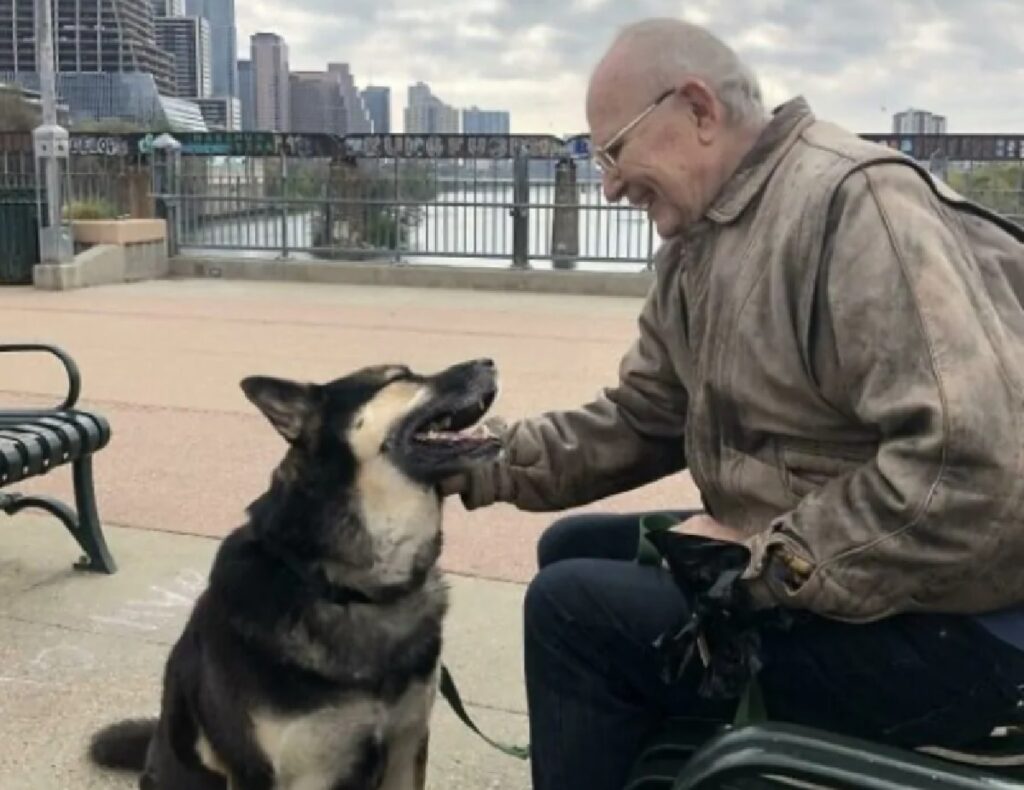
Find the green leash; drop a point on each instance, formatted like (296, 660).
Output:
(751, 707)
(451, 693)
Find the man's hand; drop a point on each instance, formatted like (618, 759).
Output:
(705, 525)
(456, 484)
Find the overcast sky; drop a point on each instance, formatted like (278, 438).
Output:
(856, 61)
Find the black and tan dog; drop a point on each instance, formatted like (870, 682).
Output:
(310, 661)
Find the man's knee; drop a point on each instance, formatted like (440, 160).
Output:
(557, 595)
(561, 541)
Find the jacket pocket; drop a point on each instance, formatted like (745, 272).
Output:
(806, 465)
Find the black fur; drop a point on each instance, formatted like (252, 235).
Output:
(124, 744)
(298, 614)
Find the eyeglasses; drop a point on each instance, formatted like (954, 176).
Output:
(604, 156)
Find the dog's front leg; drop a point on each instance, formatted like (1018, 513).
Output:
(421, 763)
(407, 762)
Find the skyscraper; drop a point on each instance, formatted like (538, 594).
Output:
(317, 103)
(245, 96)
(223, 38)
(221, 113)
(378, 104)
(168, 8)
(94, 36)
(188, 39)
(358, 119)
(270, 83)
(427, 114)
(477, 121)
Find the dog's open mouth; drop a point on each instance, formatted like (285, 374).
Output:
(444, 436)
(457, 428)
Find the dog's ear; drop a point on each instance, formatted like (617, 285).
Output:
(287, 404)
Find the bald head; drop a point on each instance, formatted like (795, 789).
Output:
(655, 54)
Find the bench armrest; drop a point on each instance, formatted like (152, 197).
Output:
(74, 378)
(815, 758)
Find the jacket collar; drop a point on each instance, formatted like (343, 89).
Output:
(786, 125)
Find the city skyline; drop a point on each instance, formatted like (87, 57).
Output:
(521, 66)
(856, 65)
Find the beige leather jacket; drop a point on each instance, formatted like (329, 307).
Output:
(836, 353)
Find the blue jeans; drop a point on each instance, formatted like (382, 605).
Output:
(593, 686)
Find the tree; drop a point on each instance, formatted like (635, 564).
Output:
(16, 114)
(998, 186)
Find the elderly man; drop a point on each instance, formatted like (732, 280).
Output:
(834, 348)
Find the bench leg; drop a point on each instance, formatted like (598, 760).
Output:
(83, 526)
(89, 533)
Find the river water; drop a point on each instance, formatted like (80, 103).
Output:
(460, 229)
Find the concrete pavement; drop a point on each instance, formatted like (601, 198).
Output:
(162, 360)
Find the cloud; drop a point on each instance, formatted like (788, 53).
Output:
(857, 63)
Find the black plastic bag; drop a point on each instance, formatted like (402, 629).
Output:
(722, 630)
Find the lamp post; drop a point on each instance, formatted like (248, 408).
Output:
(50, 144)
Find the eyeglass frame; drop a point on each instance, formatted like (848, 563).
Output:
(602, 154)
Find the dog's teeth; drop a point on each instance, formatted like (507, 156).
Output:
(480, 404)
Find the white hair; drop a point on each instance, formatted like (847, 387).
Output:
(672, 49)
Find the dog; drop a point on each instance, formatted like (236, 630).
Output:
(310, 660)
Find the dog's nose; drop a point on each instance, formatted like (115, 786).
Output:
(486, 362)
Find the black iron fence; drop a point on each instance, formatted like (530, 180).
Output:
(492, 200)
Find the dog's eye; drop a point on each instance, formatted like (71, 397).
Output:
(358, 424)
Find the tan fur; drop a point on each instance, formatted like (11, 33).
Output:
(310, 751)
(208, 757)
(371, 424)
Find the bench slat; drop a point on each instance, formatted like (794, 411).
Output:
(34, 443)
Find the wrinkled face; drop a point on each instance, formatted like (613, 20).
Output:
(657, 162)
(422, 425)
(656, 140)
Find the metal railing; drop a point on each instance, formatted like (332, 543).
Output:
(491, 211)
(469, 212)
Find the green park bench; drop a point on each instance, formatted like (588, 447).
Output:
(34, 442)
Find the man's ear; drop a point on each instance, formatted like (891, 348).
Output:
(287, 404)
(707, 110)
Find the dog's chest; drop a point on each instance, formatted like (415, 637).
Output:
(343, 745)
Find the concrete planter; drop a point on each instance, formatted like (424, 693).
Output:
(110, 251)
(118, 231)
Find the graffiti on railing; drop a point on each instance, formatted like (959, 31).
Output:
(102, 145)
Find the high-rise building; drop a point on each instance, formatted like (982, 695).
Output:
(224, 40)
(427, 114)
(92, 36)
(221, 113)
(183, 114)
(477, 121)
(317, 103)
(245, 96)
(914, 121)
(270, 83)
(168, 8)
(188, 39)
(377, 99)
(358, 119)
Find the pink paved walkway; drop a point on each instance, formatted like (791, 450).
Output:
(163, 360)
